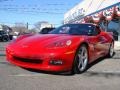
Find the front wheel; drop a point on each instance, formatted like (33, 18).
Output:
(81, 60)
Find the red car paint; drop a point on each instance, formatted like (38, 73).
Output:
(36, 51)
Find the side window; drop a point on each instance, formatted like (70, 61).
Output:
(96, 31)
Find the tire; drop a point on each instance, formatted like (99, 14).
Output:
(111, 50)
(80, 61)
(5, 38)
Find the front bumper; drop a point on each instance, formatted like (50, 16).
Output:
(42, 61)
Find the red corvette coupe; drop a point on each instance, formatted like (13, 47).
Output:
(70, 47)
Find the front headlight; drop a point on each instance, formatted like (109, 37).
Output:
(63, 43)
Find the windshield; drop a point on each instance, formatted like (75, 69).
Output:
(74, 29)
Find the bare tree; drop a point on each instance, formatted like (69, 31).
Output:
(20, 28)
(33, 30)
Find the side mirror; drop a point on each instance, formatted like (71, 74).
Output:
(98, 31)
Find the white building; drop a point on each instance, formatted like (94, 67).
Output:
(106, 13)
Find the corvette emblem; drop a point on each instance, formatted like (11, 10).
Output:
(24, 46)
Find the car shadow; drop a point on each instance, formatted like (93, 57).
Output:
(98, 60)
(49, 72)
(105, 74)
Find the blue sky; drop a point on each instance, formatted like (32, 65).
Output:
(32, 11)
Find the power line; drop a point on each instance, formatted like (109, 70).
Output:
(44, 4)
(5, 0)
(31, 11)
(23, 23)
(34, 10)
(31, 7)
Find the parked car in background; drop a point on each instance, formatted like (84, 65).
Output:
(46, 30)
(4, 36)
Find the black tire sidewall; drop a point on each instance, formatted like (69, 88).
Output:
(109, 55)
(75, 69)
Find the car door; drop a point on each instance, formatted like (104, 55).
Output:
(104, 42)
(97, 43)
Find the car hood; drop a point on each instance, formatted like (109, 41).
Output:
(37, 43)
(41, 40)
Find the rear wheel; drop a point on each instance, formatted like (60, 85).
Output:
(81, 60)
(111, 50)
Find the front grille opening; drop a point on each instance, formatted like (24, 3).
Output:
(35, 61)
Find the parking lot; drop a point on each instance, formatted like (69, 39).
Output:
(104, 75)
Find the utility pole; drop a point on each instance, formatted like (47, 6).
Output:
(27, 25)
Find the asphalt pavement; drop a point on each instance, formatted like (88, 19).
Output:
(2, 48)
(102, 75)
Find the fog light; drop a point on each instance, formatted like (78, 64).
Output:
(56, 62)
